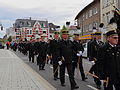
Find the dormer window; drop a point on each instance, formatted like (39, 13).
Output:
(44, 32)
(29, 23)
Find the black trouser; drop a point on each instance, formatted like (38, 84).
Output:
(7, 47)
(41, 61)
(31, 55)
(94, 69)
(37, 59)
(70, 73)
(55, 69)
(80, 67)
(111, 84)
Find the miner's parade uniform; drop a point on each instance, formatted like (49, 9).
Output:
(54, 53)
(66, 53)
(37, 45)
(31, 50)
(89, 46)
(109, 62)
(42, 53)
(77, 56)
(94, 46)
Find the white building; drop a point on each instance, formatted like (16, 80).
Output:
(11, 32)
(107, 10)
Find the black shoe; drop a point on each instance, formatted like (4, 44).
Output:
(43, 69)
(40, 68)
(75, 87)
(55, 78)
(58, 78)
(98, 87)
(63, 85)
(84, 79)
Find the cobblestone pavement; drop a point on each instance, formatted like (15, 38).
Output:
(16, 75)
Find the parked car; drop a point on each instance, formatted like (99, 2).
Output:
(85, 50)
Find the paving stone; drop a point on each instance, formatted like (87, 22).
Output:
(16, 75)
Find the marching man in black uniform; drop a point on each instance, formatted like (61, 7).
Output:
(42, 53)
(31, 50)
(37, 45)
(77, 56)
(89, 46)
(109, 61)
(66, 53)
(94, 46)
(54, 53)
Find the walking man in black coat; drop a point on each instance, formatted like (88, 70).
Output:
(109, 61)
(42, 53)
(66, 53)
(54, 53)
(31, 50)
(94, 46)
(77, 56)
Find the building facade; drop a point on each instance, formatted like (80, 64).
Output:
(107, 11)
(52, 29)
(28, 28)
(11, 32)
(88, 18)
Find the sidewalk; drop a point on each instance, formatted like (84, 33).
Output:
(16, 75)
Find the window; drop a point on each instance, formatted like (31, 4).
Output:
(36, 31)
(86, 28)
(108, 17)
(79, 21)
(83, 17)
(44, 32)
(95, 11)
(29, 23)
(95, 24)
(90, 27)
(90, 13)
(30, 31)
(42, 24)
(108, 3)
(86, 15)
(27, 31)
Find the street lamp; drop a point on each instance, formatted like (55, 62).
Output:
(101, 29)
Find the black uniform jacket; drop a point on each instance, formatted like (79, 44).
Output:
(66, 50)
(31, 47)
(54, 49)
(94, 46)
(88, 48)
(77, 46)
(109, 62)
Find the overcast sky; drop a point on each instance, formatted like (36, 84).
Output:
(55, 11)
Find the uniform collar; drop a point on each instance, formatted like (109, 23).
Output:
(112, 45)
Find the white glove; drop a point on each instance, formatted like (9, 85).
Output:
(102, 82)
(93, 62)
(78, 54)
(60, 62)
